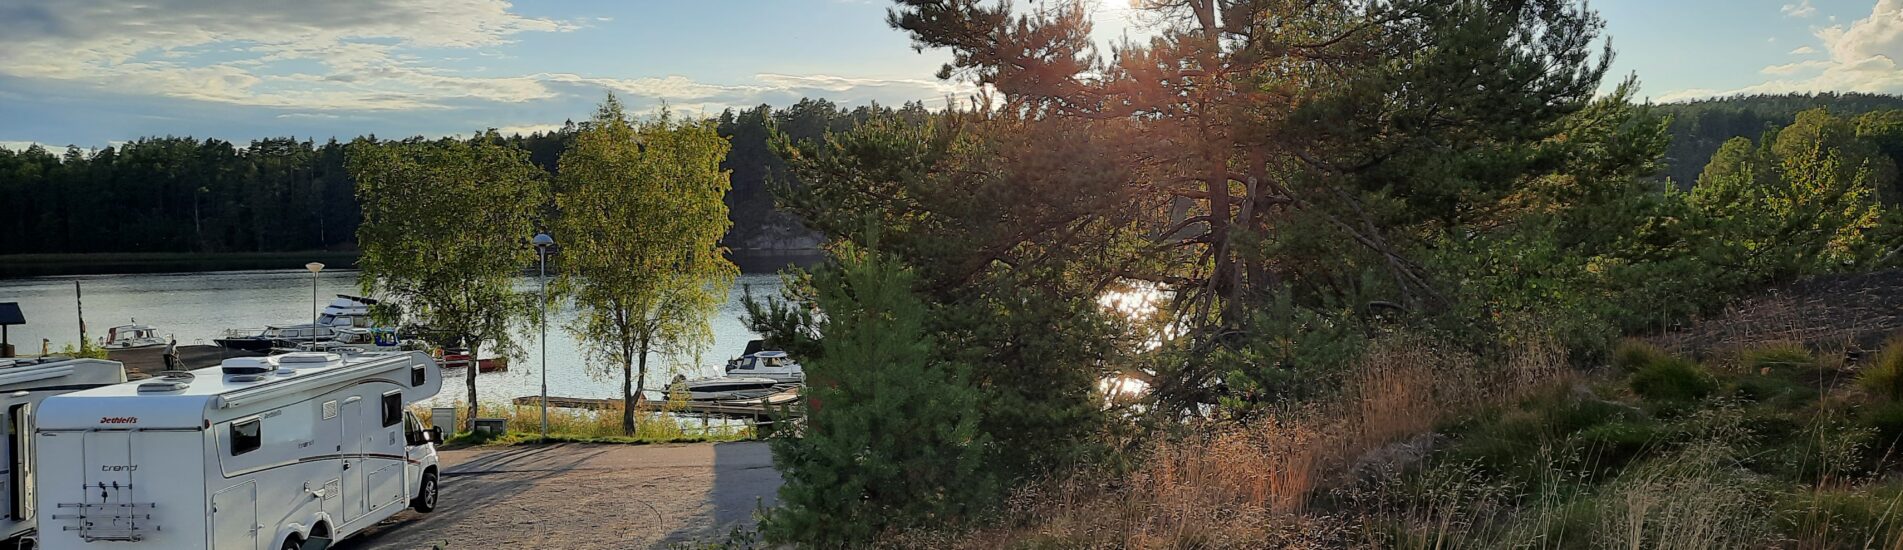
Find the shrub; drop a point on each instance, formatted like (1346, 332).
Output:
(1778, 356)
(1672, 380)
(1885, 376)
(1632, 355)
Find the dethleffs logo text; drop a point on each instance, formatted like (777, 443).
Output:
(119, 420)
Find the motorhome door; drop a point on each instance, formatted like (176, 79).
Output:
(19, 452)
(351, 425)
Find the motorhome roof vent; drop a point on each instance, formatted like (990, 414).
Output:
(247, 365)
(167, 381)
(308, 359)
(245, 378)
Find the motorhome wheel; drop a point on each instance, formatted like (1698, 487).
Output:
(426, 495)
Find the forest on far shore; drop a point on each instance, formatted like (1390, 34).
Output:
(191, 195)
(184, 194)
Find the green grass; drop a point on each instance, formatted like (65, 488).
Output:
(1690, 458)
(1634, 354)
(1885, 376)
(1778, 356)
(1672, 380)
(1861, 517)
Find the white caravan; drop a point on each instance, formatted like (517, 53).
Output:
(259, 453)
(23, 384)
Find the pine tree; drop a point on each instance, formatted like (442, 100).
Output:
(892, 437)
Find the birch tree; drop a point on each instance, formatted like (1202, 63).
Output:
(641, 216)
(445, 233)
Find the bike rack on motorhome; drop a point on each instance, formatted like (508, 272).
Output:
(259, 453)
(23, 384)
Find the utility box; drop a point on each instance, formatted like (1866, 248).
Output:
(444, 418)
(497, 426)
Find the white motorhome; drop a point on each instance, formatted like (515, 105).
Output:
(259, 453)
(24, 383)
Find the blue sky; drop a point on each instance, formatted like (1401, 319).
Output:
(94, 72)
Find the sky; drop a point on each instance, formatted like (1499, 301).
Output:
(98, 72)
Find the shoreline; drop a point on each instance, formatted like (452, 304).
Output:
(21, 266)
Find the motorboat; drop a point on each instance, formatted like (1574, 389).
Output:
(273, 337)
(458, 358)
(133, 336)
(350, 340)
(775, 365)
(725, 387)
(344, 311)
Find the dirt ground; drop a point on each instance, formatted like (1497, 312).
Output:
(586, 496)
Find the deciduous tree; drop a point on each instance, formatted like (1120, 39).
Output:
(641, 217)
(445, 235)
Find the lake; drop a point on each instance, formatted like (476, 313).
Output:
(197, 307)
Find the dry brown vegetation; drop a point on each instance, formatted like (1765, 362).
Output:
(1833, 314)
(1354, 471)
(1247, 484)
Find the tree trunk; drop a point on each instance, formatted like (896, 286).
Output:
(469, 376)
(628, 402)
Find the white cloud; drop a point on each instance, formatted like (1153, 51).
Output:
(156, 47)
(1804, 50)
(20, 145)
(315, 59)
(1864, 56)
(1800, 9)
(1788, 69)
(1688, 94)
(526, 129)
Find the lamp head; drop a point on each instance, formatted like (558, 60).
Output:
(314, 267)
(542, 240)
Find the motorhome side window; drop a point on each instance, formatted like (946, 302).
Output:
(245, 437)
(417, 376)
(392, 409)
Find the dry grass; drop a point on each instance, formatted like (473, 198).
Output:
(1830, 314)
(1249, 485)
(600, 425)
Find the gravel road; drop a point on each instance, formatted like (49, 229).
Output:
(586, 496)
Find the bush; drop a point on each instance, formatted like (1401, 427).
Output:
(1672, 379)
(1885, 376)
(1778, 356)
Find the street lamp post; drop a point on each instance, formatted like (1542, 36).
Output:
(314, 267)
(542, 242)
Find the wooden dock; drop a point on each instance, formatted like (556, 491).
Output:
(146, 361)
(784, 402)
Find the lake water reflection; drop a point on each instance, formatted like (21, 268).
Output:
(197, 307)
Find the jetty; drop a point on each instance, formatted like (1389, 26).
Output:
(143, 362)
(781, 403)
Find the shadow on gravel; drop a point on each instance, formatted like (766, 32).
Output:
(468, 486)
(744, 483)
